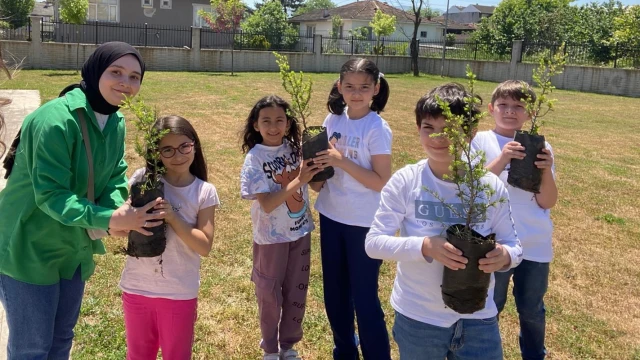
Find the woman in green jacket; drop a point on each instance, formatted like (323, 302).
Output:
(46, 253)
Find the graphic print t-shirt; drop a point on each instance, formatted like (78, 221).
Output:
(269, 169)
(343, 198)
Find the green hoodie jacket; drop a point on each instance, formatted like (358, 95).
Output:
(44, 212)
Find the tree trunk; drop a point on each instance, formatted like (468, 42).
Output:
(415, 51)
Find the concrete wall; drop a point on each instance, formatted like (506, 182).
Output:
(38, 55)
(625, 82)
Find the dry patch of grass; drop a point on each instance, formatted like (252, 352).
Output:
(593, 303)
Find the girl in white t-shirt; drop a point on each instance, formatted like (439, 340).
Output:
(160, 293)
(360, 152)
(275, 178)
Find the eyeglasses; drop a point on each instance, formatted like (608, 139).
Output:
(170, 151)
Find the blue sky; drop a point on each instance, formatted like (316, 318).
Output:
(442, 4)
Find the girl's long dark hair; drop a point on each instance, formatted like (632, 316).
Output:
(336, 104)
(180, 126)
(251, 137)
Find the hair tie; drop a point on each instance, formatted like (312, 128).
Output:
(380, 75)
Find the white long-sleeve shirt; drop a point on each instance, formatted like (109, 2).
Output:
(405, 205)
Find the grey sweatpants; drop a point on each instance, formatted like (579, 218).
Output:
(281, 276)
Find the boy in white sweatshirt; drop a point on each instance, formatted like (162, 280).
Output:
(424, 327)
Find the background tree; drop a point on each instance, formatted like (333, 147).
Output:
(627, 27)
(16, 12)
(382, 25)
(291, 6)
(225, 16)
(415, 15)
(430, 12)
(312, 5)
(589, 26)
(334, 35)
(269, 27)
(521, 20)
(74, 12)
(627, 33)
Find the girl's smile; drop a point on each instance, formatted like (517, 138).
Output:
(272, 125)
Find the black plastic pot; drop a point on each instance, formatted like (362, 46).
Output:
(314, 144)
(465, 290)
(524, 174)
(140, 245)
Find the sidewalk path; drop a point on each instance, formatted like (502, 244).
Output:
(23, 102)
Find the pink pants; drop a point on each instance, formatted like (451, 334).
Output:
(152, 323)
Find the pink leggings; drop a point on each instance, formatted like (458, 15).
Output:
(152, 323)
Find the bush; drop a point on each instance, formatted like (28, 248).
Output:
(450, 40)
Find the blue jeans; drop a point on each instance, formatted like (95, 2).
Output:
(530, 281)
(41, 317)
(350, 279)
(466, 339)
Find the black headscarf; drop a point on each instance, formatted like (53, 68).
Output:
(93, 68)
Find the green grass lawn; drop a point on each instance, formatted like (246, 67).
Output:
(593, 303)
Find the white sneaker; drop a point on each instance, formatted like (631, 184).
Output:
(289, 355)
(274, 356)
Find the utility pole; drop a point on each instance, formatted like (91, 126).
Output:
(444, 40)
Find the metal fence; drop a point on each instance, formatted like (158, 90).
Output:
(97, 32)
(605, 55)
(358, 46)
(241, 40)
(467, 50)
(22, 33)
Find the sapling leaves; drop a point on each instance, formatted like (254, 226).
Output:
(147, 141)
(298, 87)
(467, 167)
(548, 67)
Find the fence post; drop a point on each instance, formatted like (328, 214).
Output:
(194, 49)
(352, 45)
(615, 56)
(35, 47)
(145, 34)
(317, 52)
(475, 53)
(96, 33)
(516, 56)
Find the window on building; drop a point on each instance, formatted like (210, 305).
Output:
(311, 30)
(423, 34)
(165, 4)
(103, 10)
(147, 3)
(198, 21)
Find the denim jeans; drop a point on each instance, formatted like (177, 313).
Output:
(530, 281)
(466, 339)
(41, 317)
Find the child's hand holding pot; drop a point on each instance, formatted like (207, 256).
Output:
(329, 157)
(442, 251)
(164, 207)
(496, 259)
